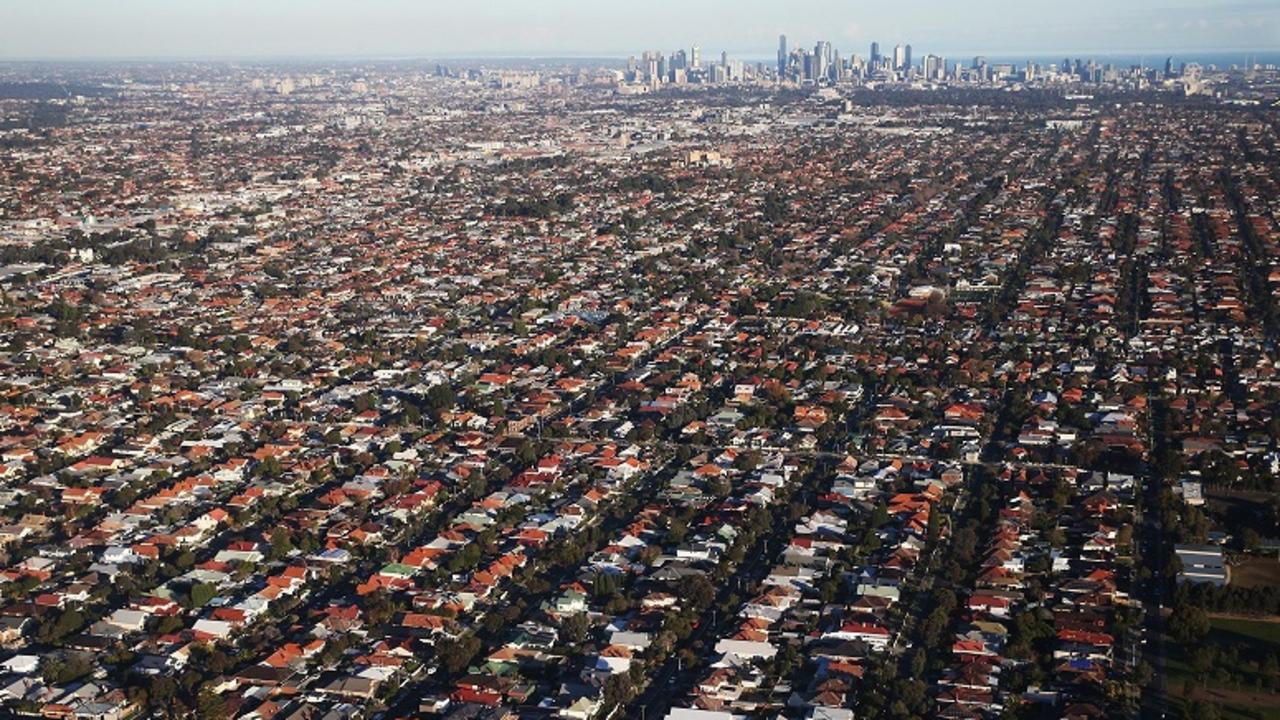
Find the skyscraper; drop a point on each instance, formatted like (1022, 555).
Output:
(906, 57)
(695, 57)
(875, 53)
(899, 57)
(821, 60)
(932, 67)
(782, 55)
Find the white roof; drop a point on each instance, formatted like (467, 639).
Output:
(128, 619)
(830, 713)
(746, 648)
(695, 714)
(21, 664)
(216, 628)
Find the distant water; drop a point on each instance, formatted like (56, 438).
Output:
(1150, 59)
(1156, 60)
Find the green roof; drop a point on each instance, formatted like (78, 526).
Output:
(397, 569)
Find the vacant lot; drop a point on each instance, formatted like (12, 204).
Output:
(1256, 571)
(1236, 705)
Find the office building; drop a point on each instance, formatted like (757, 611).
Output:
(933, 67)
(821, 60)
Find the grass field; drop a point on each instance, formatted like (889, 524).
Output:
(1264, 634)
(1240, 699)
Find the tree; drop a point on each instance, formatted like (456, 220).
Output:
(828, 590)
(1202, 659)
(880, 515)
(964, 544)
(60, 670)
(1188, 624)
(934, 525)
(575, 627)
(1250, 540)
(1201, 710)
(67, 623)
(677, 529)
(441, 397)
(270, 468)
(698, 590)
(719, 486)
(1271, 665)
(526, 453)
(456, 654)
(202, 593)
(124, 497)
(378, 607)
(677, 624)
(1143, 674)
(209, 704)
(281, 543)
(412, 415)
(169, 624)
(185, 560)
(912, 694)
(604, 584)
(937, 621)
(618, 690)
(160, 691)
(364, 403)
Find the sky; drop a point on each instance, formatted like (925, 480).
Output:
(102, 29)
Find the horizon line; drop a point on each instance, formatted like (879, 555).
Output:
(754, 55)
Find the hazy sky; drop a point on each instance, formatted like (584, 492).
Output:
(428, 28)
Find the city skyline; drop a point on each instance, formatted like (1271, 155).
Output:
(146, 29)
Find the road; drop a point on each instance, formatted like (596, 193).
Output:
(406, 701)
(672, 681)
(1155, 697)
